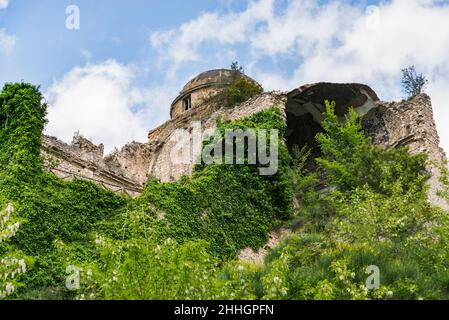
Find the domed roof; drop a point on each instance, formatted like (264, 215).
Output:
(218, 76)
(210, 78)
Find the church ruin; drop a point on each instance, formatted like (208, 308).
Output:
(390, 124)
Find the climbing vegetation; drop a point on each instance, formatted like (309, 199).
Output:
(230, 206)
(22, 122)
(365, 208)
(53, 209)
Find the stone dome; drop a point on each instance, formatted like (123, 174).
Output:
(211, 77)
(206, 80)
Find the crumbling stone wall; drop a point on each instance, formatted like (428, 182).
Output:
(409, 123)
(163, 163)
(132, 161)
(390, 124)
(83, 159)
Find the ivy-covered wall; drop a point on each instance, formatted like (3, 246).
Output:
(229, 206)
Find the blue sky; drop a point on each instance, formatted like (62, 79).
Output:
(116, 29)
(114, 78)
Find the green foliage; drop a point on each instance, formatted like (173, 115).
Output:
(54, 209)
(372, 211)
(140, 270)
(365, 215)
(443, 192)
(234, 88)
(144, 270)
(350, 161)
(62, 210)
(412, 82)
(230, 206)
(59, 210)
(21, 124)
(241, 90)
(13, 263)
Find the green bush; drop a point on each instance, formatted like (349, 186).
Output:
(241, 90)
(144, 270)
(350, 161)
(373, 211)
(13, 263)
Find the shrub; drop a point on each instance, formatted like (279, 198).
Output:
(350, 161)
(144, 270)
(241, 90)
(13, 263)
(375, 213)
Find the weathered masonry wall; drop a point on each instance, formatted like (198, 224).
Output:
(196, 98)
(390, 124)
(411, 124)
(84, 160)
(203, 87)
(408, 123)
(165, 138)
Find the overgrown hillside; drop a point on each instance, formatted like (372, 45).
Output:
(180, 240)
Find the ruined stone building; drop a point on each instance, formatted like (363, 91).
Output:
(390, 124)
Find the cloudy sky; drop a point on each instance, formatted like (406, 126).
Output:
(113, 78)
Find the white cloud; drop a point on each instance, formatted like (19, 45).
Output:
(402, 32)
(3, 4)
(330, 41)
(103, 103)
(183, 44)
(7, 42)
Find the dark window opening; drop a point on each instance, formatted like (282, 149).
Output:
(187, 103)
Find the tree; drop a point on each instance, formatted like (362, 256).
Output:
(373, 211)
(412, 82)
(235, 66)
(349, 160)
